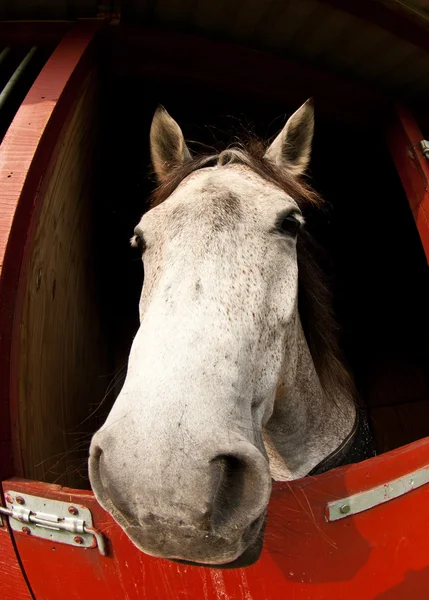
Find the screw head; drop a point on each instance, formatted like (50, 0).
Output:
(20, 500)
(26, 530)
(9, 498)
(78, 539)
(345, 509)
(73, 510)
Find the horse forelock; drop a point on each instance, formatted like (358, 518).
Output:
(315, 302)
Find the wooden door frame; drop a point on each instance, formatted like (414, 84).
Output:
(404, 141)
(297, 508)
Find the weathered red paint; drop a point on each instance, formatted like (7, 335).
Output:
(13, 585)
(380, 554)
(404, 137)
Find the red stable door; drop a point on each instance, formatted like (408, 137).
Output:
(317, 545)
(410, 153)
(357, 532)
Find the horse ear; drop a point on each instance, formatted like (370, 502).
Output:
(292, 147)
(167, 144)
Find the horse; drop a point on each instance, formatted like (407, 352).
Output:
(235, 377)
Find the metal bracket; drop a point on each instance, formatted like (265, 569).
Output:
(346, 507)
(424, 145)
(52, 520)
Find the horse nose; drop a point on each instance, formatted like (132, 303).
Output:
(203, 509)
(242, 489)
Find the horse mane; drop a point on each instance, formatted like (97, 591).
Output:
(315, 299)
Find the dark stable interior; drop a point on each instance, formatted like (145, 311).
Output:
(374, 258)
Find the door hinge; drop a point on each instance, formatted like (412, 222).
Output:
(424, 145)
(53, 520)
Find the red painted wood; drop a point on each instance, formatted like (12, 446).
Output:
(12, 581)
(24, 156)
(380, 554)
(404, 137)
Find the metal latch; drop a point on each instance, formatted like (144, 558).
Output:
(52, 520)
(424, 145)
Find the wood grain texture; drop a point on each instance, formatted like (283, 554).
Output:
(24, 158)
(59, 353)
(13, 585)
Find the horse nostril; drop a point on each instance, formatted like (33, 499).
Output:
(95, 458)
(229, 474)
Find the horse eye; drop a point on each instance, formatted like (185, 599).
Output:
(138, 242)
(290, 225)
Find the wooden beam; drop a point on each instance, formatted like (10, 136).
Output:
(404, 137)
(389, 15)
(233, 69)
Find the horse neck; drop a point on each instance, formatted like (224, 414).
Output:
(307, 423)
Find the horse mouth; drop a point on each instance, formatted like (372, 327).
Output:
(247, 558)
(252, 539)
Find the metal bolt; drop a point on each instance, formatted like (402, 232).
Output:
(26, 530)
(9, 498)
(78, 539)
(20, 500)
(73, 510)
(344, 509)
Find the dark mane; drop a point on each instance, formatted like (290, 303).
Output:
(315, 297)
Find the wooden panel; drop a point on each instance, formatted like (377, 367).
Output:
(364, 40)
(21, 171)
(265, 76)
(391, 16)
(285, 28)
(59, 353)
(328, 34)
(419, 86)
(306, 31)
(13, 585)
(406, 72)
(395, 426)
(249, 17)
(396, 379)
(394, 52)
(205, 15)
(362, 44)
(304, 557)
